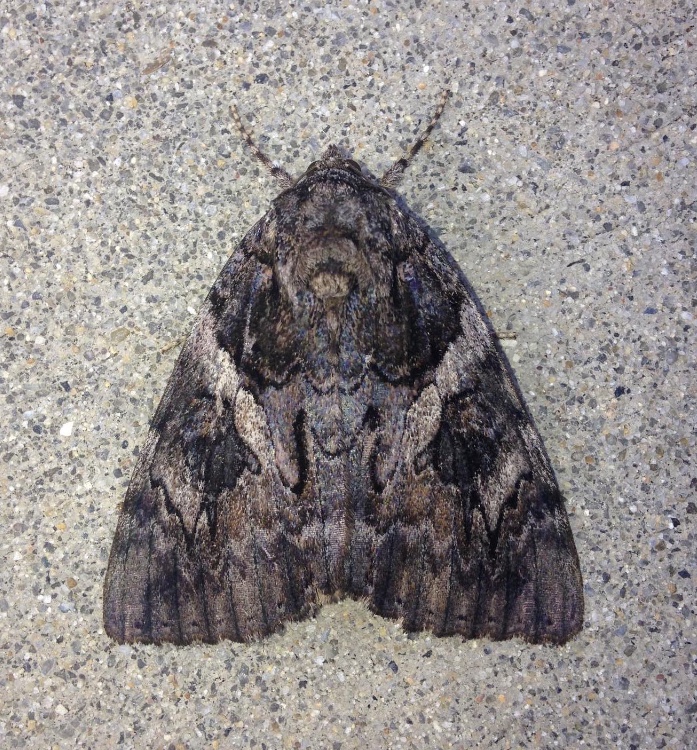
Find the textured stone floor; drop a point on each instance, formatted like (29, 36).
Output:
(561, 177)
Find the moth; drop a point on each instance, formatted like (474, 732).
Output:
(342, 422)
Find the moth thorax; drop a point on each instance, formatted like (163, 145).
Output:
(332, 268)
(330, 285)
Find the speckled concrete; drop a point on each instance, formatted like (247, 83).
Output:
(562, 177)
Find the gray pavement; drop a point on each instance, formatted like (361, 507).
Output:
(562, 178)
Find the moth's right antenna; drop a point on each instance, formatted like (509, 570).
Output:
(278, 172)
(394, 174)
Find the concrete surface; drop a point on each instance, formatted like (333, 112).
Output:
(562, 177)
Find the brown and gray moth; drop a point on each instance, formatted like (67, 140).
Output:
(342, 422)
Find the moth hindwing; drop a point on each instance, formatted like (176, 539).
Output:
(342, 422)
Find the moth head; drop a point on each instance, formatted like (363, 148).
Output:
(335, 158)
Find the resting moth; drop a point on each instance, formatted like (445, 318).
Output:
(342, 422)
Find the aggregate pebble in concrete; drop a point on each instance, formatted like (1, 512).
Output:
(562, 177)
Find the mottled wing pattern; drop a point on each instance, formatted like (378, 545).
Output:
(477, 539)
(342, 422)
(201, 552)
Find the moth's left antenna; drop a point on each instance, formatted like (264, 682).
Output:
(276, 171)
